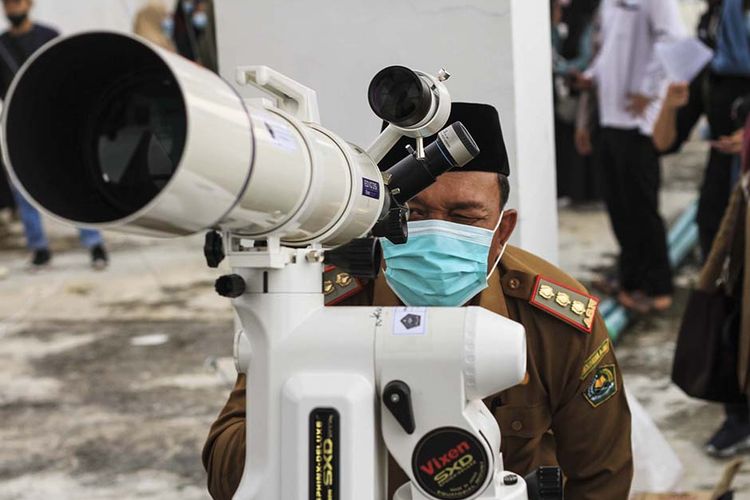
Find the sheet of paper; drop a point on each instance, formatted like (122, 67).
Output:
(683, 59)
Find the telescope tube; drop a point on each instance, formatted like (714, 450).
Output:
(107, 130)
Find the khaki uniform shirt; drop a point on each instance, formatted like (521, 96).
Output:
(570, 410)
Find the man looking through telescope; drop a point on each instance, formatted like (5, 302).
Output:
(571, 409)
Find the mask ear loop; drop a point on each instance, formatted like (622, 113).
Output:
(502, 251)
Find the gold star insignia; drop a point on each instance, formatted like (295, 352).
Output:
(343, 279)
(578, 307)
(563, 299)
(546, 292)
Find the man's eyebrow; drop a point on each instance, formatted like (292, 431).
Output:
(468, 205)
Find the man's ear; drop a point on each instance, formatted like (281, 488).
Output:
(502, 235)
(507, 226)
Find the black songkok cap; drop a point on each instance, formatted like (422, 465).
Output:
(483, 123)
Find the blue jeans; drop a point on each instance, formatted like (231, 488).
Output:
(34, 230)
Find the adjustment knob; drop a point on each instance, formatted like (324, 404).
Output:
(230, 286)
(545, 484)
(397, 398)
(360, 258)
(213, 249)
(393, 226)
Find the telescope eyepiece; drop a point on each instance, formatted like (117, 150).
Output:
(453, 148)
(400, 96)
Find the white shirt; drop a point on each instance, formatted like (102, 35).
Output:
(627, 64)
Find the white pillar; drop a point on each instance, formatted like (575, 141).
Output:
(498, 52)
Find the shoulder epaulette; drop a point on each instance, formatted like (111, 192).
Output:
(339, 285)
(575, 308)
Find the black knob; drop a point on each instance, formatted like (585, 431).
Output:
(510, 480)
(393, 226)
(545, 484)
(213, 249)
(397, 398)
(230, 286)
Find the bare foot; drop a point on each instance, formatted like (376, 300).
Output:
(661, 303)
(608, 285)
(635, 301)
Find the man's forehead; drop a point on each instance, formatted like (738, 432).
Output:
(462, 190)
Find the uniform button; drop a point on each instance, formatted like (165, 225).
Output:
(516, 425)
(514, 283)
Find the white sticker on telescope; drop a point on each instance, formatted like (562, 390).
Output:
(409, 321)
(282, 136)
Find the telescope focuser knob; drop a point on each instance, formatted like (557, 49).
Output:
(361, 258)
(230, 286)
(393, 226)
(545, 484)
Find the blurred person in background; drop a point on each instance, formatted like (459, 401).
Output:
(573, 49)
(725, 27)
(629, 81)
(154, 23)
(22, 39)
(8, 209)
(729, 80)
(727, 259)
(686, 104)
(195, 32)
(727, 267)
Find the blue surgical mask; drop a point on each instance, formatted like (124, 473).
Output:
(167, 27)
(188, 6)
(200, 20)
(443, 264)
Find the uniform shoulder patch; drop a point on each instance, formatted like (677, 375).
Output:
(596, 357)
(339, 285)
(565, 303)
(603, 386)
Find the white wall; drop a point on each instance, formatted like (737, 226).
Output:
(497, 50)
(77, 15)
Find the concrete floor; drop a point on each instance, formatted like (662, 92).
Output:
(108, 380)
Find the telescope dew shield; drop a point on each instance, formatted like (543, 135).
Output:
(105, 129)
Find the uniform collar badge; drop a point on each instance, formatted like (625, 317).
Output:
(571, 306)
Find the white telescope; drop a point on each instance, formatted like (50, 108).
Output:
(136, 137)
(106, 130)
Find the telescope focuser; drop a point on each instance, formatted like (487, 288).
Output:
(454, 147)
(361, 258)
(393, 226)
